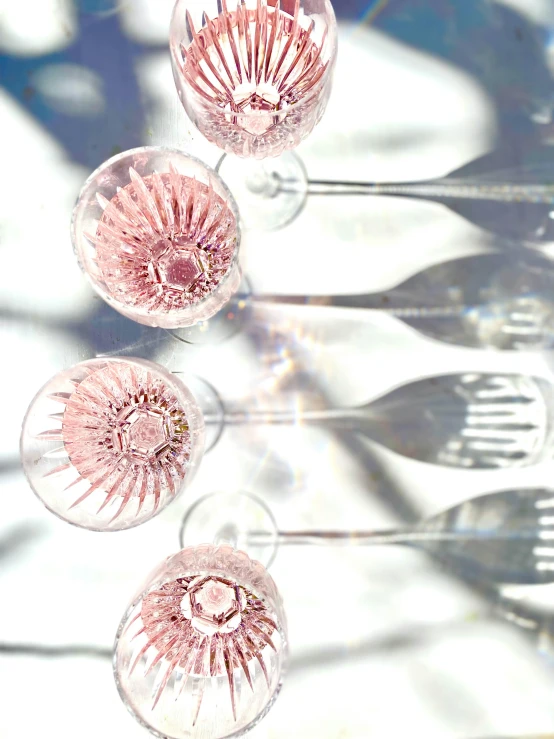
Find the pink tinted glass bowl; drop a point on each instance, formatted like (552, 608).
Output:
(202, 649)
(254, 77)
(109, 443)
(156, 232)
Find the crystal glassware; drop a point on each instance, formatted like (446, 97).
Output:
(255, 80)
(494, 538)
(157, 234)
(109, 443)
(201, 650)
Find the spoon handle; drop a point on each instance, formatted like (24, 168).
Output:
(504, 192)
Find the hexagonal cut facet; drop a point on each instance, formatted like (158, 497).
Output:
(180, 267)
(141, 432)
(213, 605)
(264, 98)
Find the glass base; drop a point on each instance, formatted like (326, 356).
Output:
(225, 324)
(270, 193)
(239, 519)
(210, 404)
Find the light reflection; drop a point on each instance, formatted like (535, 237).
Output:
(546, 503)
(147, 21)
(70, 89)
(546, 535)
(33, 28)
(546, 520)
(451, 135)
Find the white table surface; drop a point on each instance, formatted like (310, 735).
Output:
(382, 643)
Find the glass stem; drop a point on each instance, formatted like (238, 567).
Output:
(241, 418)
(373, 302)
(369, 538)
(504, 192)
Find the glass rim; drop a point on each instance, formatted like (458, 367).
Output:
(332, 39)
(142, 150)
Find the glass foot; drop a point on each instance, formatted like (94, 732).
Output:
(270, 193)
(240, 520)
(225, 324)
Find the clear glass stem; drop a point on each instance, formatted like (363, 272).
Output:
(241, 418)
(371, 538)
(504, 192)
(270, 192)
(372, 302)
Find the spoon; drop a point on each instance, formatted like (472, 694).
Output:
(490, 300)
(468, 420)
(503, 537)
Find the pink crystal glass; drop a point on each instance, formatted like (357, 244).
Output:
(156, 232)
(109, 443)
(255, 79)
(201, 650)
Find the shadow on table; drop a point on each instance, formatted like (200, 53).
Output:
(505, 52)
(500, 301)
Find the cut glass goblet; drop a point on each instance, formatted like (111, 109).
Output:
(109, 443)
(156, 232)
(255, 79)
(202, 649)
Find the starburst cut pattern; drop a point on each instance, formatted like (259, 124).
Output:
(125, 433)
(204, 626)
(254, 64)
(164, 241)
